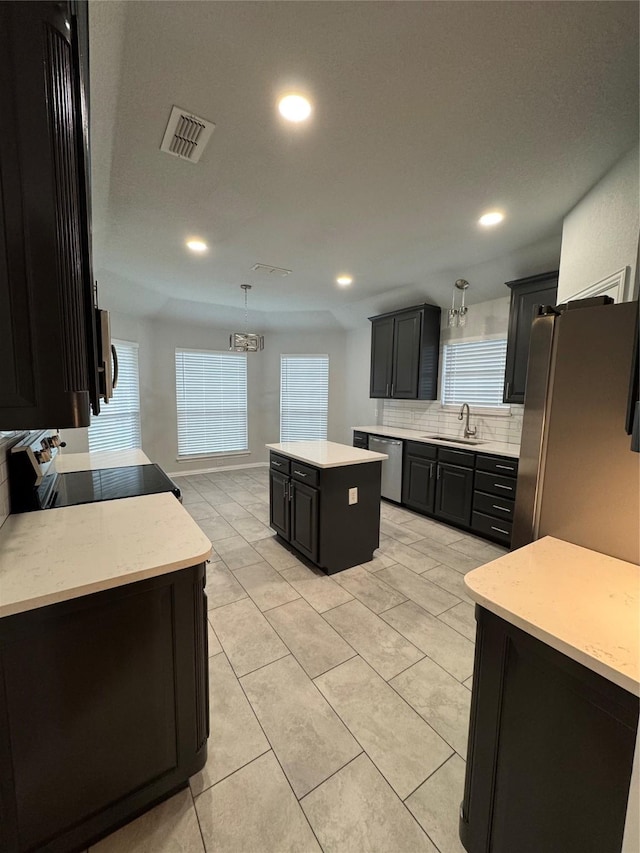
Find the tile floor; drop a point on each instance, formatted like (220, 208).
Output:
(339, 705)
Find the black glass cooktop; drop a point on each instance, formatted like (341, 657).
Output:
(107, 484)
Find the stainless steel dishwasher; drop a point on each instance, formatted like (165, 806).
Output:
(391, 467)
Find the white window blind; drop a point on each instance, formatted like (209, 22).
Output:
(473, 373)
(304, 397)
(117, 427)
(211, 399)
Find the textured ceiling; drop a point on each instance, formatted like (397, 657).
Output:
(425, 115)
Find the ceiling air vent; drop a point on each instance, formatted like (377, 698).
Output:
(271, 270)
(186, 135)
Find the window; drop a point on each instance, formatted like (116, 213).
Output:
(211, 399)
(304, 397)
(117, 427)
(474, 373)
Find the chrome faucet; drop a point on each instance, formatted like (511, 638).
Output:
(468, 432)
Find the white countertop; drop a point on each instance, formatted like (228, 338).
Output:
(326, 454)
(498, 448)
(58, 554)
(64, 462)
(581, 603)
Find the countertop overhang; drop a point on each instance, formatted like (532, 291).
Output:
(58, 554)
(326, 454)
(495, 448)
(581, 603)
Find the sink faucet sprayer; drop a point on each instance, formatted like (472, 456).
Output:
(468, 432)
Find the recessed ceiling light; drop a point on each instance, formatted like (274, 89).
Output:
(344, 280)
(493, 217)
(197, 245)
(294, 108)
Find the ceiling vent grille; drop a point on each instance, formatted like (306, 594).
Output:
(271, 270)
(186, 135)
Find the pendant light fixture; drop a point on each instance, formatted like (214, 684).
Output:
(246, 341)
(458, 316)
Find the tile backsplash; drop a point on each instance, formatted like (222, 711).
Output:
(430, 417)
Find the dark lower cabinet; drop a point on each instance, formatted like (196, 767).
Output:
(454, 493)
(419, 483)
(103, 710)
(304, 519)
(550, 752)
(329, 515)
(473, 491)
(280, 512)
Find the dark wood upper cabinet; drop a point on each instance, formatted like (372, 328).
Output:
(405, 347)
(526, 295)
(48, 374)
(381, 356)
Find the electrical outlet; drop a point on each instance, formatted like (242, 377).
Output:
(353, 496)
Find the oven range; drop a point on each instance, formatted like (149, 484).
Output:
(34, 483)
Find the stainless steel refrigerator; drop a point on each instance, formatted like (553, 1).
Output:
(578, 479)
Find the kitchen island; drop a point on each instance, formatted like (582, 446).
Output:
(103, 661)
(324, 501)
(554, 713)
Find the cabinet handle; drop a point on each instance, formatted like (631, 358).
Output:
(507, 391)
(386, 393)
(290, 490)
(505, 467)
(500, 530)
(503, 508)
(437, 472)
(508, 488)
(431, 470)
(277, 464)
(299, 473)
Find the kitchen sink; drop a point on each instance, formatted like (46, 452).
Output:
(454, 440)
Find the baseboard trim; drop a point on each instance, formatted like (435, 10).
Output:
(217, 468)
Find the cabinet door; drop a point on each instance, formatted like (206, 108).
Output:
(532, 784)
(304, 519)
(406, 355)
(45, 283)
(525, 296)
(279, 512)
(381, 355)
(454, 493)
(418, 483)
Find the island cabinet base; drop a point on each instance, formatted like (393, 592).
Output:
(550, 749)
(103, 710)
(329, 515)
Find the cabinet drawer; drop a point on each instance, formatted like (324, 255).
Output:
(495, 484)
(361, 439)
(502, 465)
(417, 448)
(304, 473)
(456, 457)
(492, 527)
(493, 505)
(279, 463)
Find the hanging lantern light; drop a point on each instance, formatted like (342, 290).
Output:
(246, 341)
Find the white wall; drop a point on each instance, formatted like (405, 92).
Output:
(360, 409)
(600, 234)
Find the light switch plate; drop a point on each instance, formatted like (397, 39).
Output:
(353, 496)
